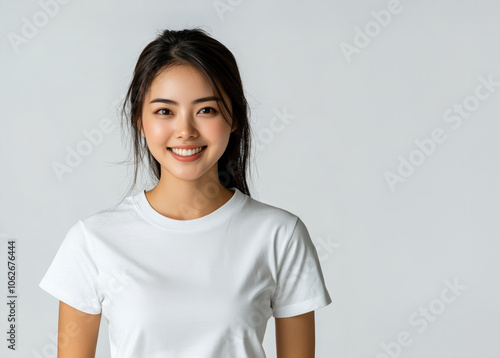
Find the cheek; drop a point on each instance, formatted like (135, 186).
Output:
(158, 132)
(217, 132)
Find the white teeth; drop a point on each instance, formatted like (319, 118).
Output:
(187, 152)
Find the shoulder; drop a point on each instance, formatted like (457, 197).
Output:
(109, 218)
(261, 212)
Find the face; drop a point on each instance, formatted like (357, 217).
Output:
(180, 110)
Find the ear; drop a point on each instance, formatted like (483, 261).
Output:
(234, 127)
(139, 126)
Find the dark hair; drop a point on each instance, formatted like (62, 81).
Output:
(192, 47)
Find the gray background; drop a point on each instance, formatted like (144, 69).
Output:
(386, 251)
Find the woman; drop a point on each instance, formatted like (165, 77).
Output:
(194, 267)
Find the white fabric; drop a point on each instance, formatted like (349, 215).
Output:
(188, 288)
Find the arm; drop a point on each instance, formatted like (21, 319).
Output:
(295, 336)
(78, 333)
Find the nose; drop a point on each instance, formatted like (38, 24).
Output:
(185, 126)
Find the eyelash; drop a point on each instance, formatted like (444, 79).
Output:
(166, 109)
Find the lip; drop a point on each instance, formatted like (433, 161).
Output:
(187, 146)
(187, 159)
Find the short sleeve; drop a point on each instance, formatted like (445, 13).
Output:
(300, 286)
(72, 275)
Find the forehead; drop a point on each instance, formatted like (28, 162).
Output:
(181, 81)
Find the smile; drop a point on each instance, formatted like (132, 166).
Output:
(187, 152)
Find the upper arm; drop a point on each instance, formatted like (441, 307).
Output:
(78, 332)
(295, 336)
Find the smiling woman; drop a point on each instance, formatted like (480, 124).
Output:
(194, 267)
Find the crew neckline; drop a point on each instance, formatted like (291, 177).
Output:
(203, 222)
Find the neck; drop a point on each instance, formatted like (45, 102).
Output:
(188, 199)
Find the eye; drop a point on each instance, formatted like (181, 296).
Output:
(208, 108)
(163, 110)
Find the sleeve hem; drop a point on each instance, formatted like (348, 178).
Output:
(61, 296)
(302, 307)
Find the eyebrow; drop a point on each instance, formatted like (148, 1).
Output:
(199, 100)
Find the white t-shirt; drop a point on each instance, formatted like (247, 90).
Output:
(188, 288)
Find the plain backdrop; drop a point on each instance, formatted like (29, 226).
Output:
(377, 122)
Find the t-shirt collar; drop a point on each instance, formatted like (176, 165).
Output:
(201, 223)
